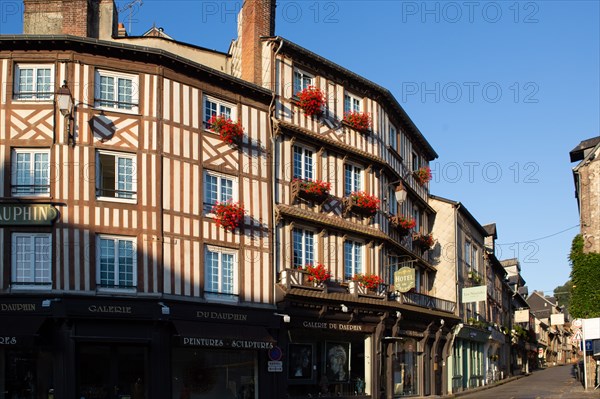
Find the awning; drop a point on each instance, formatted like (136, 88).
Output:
(19, 330)
(473, 334)
(223, 336)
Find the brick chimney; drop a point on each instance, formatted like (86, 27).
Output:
(257, 19)
(87, 18)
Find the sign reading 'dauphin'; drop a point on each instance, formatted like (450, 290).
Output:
(17, 307)
(222, 316)
(27, 214)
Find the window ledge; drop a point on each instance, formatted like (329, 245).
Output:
(133, 112)
(27, 287)
(216, 297)
(116, 290)
(121, 200)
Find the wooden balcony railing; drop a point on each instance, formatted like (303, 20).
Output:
(426, 301)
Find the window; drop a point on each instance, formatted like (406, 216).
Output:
(417, 216)
(34, 82)
(31, 260)
(116, 262)
(352, 258)
(467, 256)
(220, 266)
(415, 161)
(30, 172)
(301, 81)
(218, 188)
(393, 138)
(116, 176)
(474, 260)
(303, 242)
(351, 103)
(215, 107)
(303, 163)
(116, 91)
(393, 207)
(352, 179)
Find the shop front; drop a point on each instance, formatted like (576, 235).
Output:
(468, 358)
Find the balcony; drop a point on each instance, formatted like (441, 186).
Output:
(426, 301)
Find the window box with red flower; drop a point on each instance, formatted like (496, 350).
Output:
(228, 130)
(422, 175)
(360, 121)
(361, 203)
(311, 100)
(310, 190)
(228, 215)
(423, 241)
(366, 284)
(403, 224)
(317, 275)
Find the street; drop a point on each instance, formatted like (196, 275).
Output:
(555, 382)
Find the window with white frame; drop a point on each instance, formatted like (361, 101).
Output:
(303, 163)
(353, 255)
(303, 246)
(416, 214)
(216, 107)
(474, 258)
(31, 260)
(117, 91)
(393, 203)
(218, 188)
(393, 138)
(352, 179)
(30, 172)
(467, 255)
(116, 176)
(33, 82)
(116, 266)
(220, 271)
(351, 103)
(301, 81)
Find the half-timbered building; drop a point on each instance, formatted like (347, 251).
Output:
(116, 281)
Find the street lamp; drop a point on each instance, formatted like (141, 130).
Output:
(64, 101)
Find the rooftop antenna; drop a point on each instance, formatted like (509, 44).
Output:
(129, 7)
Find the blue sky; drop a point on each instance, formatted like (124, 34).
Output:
(502, 90)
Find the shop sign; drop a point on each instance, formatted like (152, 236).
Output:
(8, 340)
(226, 343)
(557, 319)
(27, 214)
(275, 366)
(404, 279)
(17, 307)
(522, 316)
(222, 316)
(474, 294)
(324, 325)
(410, 333)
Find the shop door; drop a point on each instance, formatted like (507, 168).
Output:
(112, 372)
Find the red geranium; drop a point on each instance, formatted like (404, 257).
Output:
(316, 187)
(423, 175)
(425, 241)
(317, 273)
(406, 222)
(365, 201)
(311, 100)
(360, 121)
(228, 215)
(370, 281)
(229, 131)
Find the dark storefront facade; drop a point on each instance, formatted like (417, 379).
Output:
(100, 348)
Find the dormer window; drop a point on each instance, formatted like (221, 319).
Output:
(351, 103)
(302, 80)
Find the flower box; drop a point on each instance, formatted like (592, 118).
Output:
(229, 131)
(361, 203)
(402, 224)
(422, 175)
(317, 275)
(360, 121)
(367, 285)
(423, 241)
(311, 100)
(229, 215)
(310, 190)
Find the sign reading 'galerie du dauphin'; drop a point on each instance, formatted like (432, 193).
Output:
(27, 214)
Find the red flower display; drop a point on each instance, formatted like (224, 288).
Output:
(424, 241)
(228, 215)
(314, 187)
(317, 274)
(368, 203)
(423, 175)
(406, 223)
(229, 131)
(370, 281)
(311, 100)
(360, 121)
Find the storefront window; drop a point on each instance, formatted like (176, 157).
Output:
(25, 374)
(405, 368)
(201, 373)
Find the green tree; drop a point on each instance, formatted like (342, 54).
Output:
(585, 275)
(563, 293)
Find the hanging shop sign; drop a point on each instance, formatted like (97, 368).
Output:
(404, 279)
(474, 294)
(27, 214)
